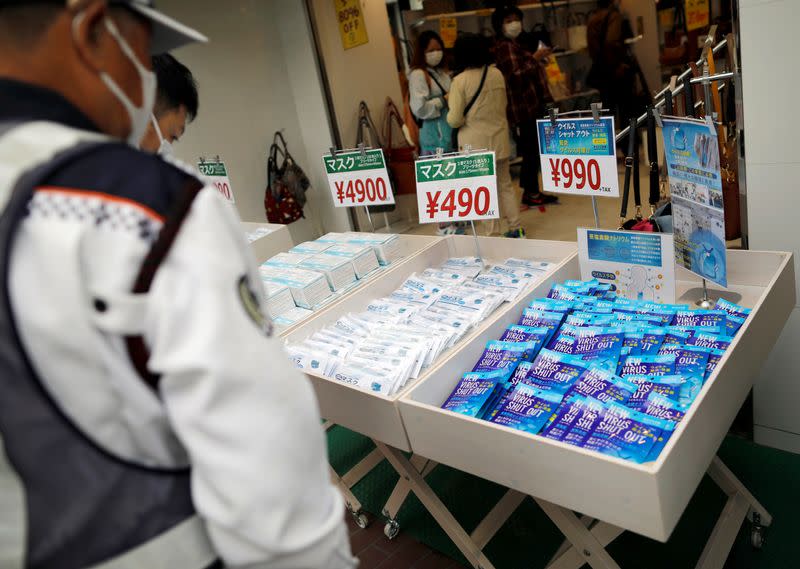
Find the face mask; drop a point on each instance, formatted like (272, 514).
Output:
(165, 149)
(512, 29)
(139, 116)
(434, 58)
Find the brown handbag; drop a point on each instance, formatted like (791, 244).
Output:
(400, 159)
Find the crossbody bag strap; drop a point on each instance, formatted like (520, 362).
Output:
(435, 80)
(626, 191)
(652, 157)
(478, 92)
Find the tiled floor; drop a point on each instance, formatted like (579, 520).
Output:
(376, 552)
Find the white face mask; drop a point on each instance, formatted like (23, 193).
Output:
(512, 29)
(434, 58)
(139, 116)
(165, 149)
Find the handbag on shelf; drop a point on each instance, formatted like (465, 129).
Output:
(279, 203)
(400, 158)
(367, 134)
(293, 175)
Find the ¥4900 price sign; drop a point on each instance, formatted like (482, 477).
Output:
(358, 179)
(579, 157)
(457, 188)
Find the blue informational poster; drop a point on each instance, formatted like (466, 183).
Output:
(692, 157)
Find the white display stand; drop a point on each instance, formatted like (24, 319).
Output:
(647, 499)
(378, 417)
(271, 244)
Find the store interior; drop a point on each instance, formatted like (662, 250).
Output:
(281, 66)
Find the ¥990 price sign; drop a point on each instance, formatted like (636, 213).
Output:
(216, 175)
(579, 157)
(457, 188)
(358, 179)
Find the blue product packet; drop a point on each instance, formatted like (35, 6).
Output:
(633, 340)
(630, 317)
(504, 355)
(699, 318)
(551, 371)
(560, 292)
(713, 360)
(624, 433)
(602, 385)
(660, 406)
(601, 346)
(539, 319)
(473, 392)
(649, 365)
(714, 341)
(691, 360)
(660, 315)
(667, 385)
(695, 330)
(653, 340)
(589, 319)
(623, 355)
(591, 414)
(527, 409)
(733, 324)
(675, 336)
(566, 415)
(518, 333)
(551, 305)
(656, 306)
(733, 309)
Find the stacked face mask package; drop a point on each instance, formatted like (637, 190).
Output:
(257, 234)
(598, 371)
(399, 336)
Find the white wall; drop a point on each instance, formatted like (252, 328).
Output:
(768, 30)
(257, 75)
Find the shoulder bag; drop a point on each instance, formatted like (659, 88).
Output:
(280, 205)
(400, 159)
(469, 106)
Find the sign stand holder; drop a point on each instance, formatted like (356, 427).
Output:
(595, 110)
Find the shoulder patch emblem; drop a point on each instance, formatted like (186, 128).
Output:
(252, 306)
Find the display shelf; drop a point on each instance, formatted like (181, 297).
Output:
(378, 417)
(278, 241)
(647, 499)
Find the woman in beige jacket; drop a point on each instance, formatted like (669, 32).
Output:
(485, 125)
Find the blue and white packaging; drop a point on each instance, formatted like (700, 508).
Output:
(362, 257)
(551, 371)
(519, 333)
(550, 305)
(286, 260)
(623, 433)
(504, 355)
(468, 266)
(526, 409)
(714, 357)
(601, 346)
(310, 248)
(589, 319)
(566, 415)
(386, 246)
(538, 319)
(652, 341)
(663, 407)
(602, 385)
(733, 324)
(710, 341)
(590, 416)
(733, 309)
(509, 286)
(278, 299)
(668, 385)
(308, 288)
(472, 393)
(649, 365)
(674, 336)
(442, 276)
(704, 318)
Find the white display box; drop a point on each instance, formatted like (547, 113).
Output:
(278, 241)
(376, 416)
(648, 499)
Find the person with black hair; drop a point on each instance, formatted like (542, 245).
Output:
(176, 105)
(527, 96)
(428, 86)
(478, 103)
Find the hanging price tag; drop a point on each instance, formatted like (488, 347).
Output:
(216, 174)
(579, 157)
(357, 179)
(457, 188)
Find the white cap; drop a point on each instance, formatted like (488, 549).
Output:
(168, 33)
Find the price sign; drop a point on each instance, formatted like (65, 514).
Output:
(579, 157)
(216, 175)
(457, 188)
(357, 179)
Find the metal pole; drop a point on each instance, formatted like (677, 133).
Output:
(596, 213)
(369, 217)
(705, 302)
(386, 221)
(477, 242)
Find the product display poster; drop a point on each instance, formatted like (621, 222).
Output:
(692, 156)
(638, 265)
(579, 157)
(216, 174)
(457, 188)
(358, 178)
(351, 23)
(448, 30)
(697, 14)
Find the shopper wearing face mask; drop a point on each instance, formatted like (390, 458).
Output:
(176, 105)
(528, 96)
(148, 418)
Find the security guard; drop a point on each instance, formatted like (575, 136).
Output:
(147, 420)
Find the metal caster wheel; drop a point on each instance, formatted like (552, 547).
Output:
(361, 519)
(391, 530)
(757, 536)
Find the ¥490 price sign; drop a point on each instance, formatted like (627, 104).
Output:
(216, 174)
(457, 188)
(358, 179)
(579, 157)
